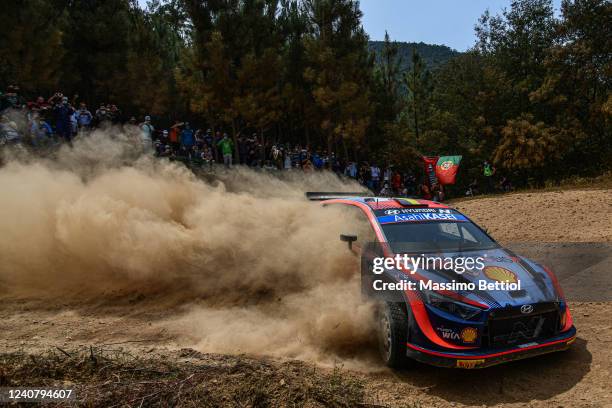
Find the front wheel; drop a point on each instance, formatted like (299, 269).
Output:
(393, 335)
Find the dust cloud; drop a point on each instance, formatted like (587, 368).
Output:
(256, 268)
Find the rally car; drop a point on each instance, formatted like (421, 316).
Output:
(458, 328)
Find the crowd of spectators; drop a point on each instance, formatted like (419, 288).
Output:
(46, 122)
(58, 120)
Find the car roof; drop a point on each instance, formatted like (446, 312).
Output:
(383, 203)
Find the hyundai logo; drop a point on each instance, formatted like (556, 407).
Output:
(526, 309)
(392, 212)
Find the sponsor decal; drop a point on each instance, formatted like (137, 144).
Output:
(418, 217)
(469, 363)
(448, 334)
(469, 335)
(499, 259)
(499, 274)
(533, 343)
(526, 309)
(395, 211)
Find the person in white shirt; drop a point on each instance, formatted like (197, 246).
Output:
(375, 174)
(147, 130)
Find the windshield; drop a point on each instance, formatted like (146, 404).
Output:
(415, 234)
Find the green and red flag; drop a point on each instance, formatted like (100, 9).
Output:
(446, 169)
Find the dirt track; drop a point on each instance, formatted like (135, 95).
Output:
(579, 377)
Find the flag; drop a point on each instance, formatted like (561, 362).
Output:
(446, 169)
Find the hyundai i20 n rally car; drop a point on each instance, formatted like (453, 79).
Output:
(458, 328)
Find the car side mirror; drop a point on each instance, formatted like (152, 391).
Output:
(348, 238)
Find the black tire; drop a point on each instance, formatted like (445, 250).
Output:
(393, 334)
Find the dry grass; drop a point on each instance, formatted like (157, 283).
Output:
(115, 378)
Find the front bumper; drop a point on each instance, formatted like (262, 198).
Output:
(481, 358)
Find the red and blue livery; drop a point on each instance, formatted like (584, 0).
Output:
(458, 328)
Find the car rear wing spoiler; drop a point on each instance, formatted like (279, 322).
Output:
(326, 195)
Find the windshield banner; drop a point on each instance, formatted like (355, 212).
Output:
(395, 215)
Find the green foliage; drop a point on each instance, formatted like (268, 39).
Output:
(31, 49)
(533, 95)
(338, 70)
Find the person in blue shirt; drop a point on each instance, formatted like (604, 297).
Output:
(84, 117)
(317, 161)
(187, 137)
(41, 132)
(63, 111)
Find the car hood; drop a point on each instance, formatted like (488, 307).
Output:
(500, 265)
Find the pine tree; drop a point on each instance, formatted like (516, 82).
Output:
(32, 45)
(419, 84)
(339, 70)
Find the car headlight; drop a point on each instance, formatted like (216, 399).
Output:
(452, 306)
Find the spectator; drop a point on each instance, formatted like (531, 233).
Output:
(489, 172)
(40, 132)
(173, 135)
(386, 191)
(39, 107)
(208, 138)
(103, 116)
(387, 175)
(187, 138)
(438, 192)
(277, 157)
(375, 177)
(164, 140)
(506, 184)
(287, 159)
(115, 113)
(74, 124)
(63, 125)
(472, 189)
(226, 146)
(243, 149)
(146, 132)
(307, 166)
(352, 170)
(207, 157)
(424, 191)
(9, 133)
(11, 99)
(317, 161)
(84, 117)
(217, 138)
(396, 182)
(410, 184)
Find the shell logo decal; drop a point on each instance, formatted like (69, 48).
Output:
(469, 334)
(499, 274)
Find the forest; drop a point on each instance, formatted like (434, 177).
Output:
(533, 95)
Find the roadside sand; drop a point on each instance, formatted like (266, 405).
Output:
(579, 377)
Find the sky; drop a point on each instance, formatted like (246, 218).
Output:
(447, 22)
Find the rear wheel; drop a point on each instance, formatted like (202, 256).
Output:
(393, 334)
